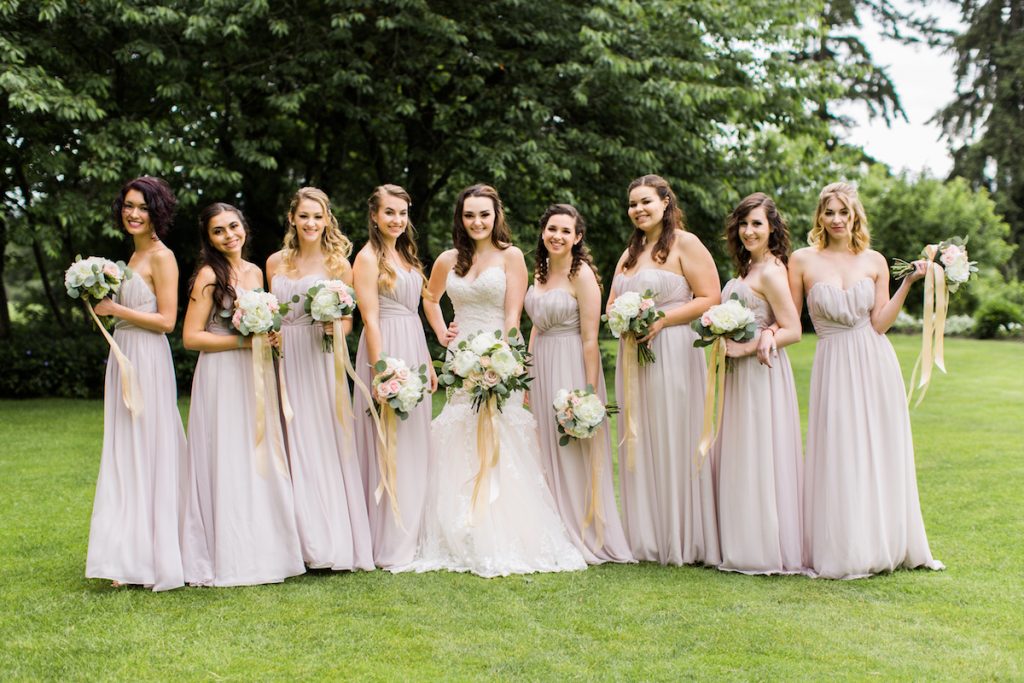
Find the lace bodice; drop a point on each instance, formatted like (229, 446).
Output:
(480, 303)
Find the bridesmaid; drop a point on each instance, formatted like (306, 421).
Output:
(668, 504)
(239, 522)
(861, 512)
(330, 510)
(757, 460)
(388, 281)
(564, 304)
(133, 538)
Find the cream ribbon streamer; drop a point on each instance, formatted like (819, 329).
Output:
(714, 397)
(936, 305)
(131, 393)
(387, 461)
(630, 379)
(263, 377)
(595, 506)
(286, 405)
(488, 450)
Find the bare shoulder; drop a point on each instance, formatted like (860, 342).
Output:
(802, 256)
(274, 262)
(163, 258)
(875, 259)
(447, 258)
(205, 276)
(366, 258)
(775, 273)
(513, 254)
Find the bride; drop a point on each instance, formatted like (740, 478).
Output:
(517, 529)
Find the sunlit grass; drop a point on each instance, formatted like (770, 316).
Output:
(610, 622)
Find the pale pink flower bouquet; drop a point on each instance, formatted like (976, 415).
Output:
(327, 301)
(397, 385)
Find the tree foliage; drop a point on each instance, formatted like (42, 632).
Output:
(985, 122)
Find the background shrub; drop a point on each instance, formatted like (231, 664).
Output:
(995, 313)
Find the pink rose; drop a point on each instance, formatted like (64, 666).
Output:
(705, 320)
(950, 254)
(645, 304)
(394, 386)
(110, 269)
(344, 299)
(402, 374)
(336, 286)
(485, 361)
(236, 319)
(491, 378)
(382, 392)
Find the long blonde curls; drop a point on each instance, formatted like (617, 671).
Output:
(405, 245)
(335, 246)
(860, 238)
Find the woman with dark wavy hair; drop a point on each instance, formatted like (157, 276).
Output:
(668, 503)
(564, 304)
(239, 519)
(757, 458)
(515, 528)
(133, 537)
(330, 508)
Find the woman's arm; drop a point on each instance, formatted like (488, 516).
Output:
(516, 279)
(432, 304)
(785, 330)
(200, 306)
(164, 269)
(588, 295)
(364, 277)
(885, 310)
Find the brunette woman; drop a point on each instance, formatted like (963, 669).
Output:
(133, 538)
(239, 521)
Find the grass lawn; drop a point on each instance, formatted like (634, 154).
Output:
(610, 622)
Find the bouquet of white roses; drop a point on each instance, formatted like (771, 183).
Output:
(731, 319)
(327, 301)
(579, 413)
(487, 367)
(95, 277)
(632, 314)
(257, 312)
(952, 253)
(396, 385)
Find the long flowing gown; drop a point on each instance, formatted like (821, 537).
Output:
(558, 364)
(757, 459)
(330, 511)
(133, 537)
(239, 518)
(668, 504)
(515, 528)
(402, 337)
(861, 509)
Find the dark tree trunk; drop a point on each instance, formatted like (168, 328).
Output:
(37, 251)
(5, 313)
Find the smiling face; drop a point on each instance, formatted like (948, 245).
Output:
(135, 214)
(478, 218)
(754, 231)
(227, 233)
(310, 221)
(392, 216)
(560, 234)
(646, 208)
(837, 219)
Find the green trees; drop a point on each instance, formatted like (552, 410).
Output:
(985, 123)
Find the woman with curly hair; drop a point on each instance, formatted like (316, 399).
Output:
(330, 509)
(133, 538)
(564, 304)
(757, 459)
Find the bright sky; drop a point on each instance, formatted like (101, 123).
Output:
(924, 80)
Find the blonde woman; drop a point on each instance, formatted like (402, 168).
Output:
(329, 506)
(388, 281)
(861, 511)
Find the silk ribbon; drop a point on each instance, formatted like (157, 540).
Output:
(131, 394)
(714, 398)
(488, 450)
(936, 305)
(630, 380)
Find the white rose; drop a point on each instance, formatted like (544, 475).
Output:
(617, 324)
(628, 305)
(258, 320)
(724, 317)
(482, 343)
(561, 401)
(959, 271)
(409, 396)
(464, 362)
(504, 363)
(590, 410)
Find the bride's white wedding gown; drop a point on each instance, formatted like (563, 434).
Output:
(516, 529)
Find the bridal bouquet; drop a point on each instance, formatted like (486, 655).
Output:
(733, 320)
(579, 413)
(257, 312)
(730, 319)
(95, 277)
(952, 253)
(327, 301)
(487, 367)
(396, 385)
(631, 314)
